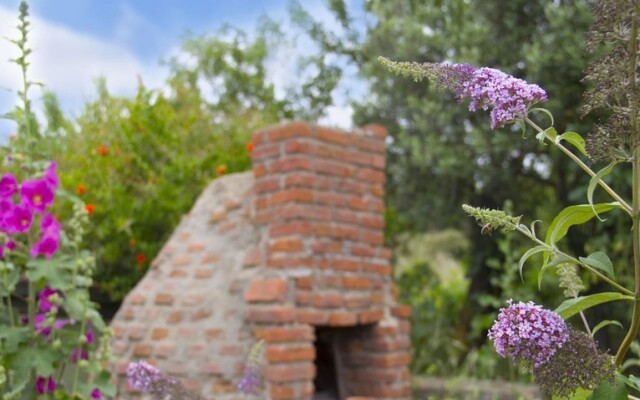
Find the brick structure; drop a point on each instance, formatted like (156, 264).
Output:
(292, 254)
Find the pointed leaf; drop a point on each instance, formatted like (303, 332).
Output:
(600, 261)
(528, 254)
(571, 307)
(610, 391)
(575, 215)
(604, 323)
(547, 112)
(594, 182)
(575, 139)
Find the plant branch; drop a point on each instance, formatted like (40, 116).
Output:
(585, 167)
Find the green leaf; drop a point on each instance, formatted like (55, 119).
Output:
(594, 182)
(575, 139)
(571, 307)
(604, 323)
(12, 336)
(528, 254)
(49, 271)
(575, 215)
(600, 261)
(74, 306)
(547, 112)
(610, 391)
(550, 132)
(97, 320)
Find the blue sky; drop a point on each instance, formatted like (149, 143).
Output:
(76, 41)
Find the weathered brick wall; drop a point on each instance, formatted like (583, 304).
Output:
(319, 201)
(294, 247)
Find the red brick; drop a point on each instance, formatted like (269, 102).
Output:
(213, 333)
(287, 245)
(370, 175)
(265, 151)
(252, 257)
(332, 199)
(202, 273)
(333, 136)
(181, 261)
(330, 280)
(358, 203)
(267, 290)
(136, 298)
(195, 247)
(283, 354)
(288, 130)
(305, 211)
(327, 300)
(230, 350)
(331, 151)
(136, 331)
(290, 228)
(164, 299)
(303, 298)
(298, 146)
(346, 232)
(334, 168)
(210, 258)
(291, 164)
(291, 195)
(371, 221)
(326, 246)
(280, 314)
(343, 319)
(290, 372)
(290, 262)
(345, 264)
(142, 350)
(346, 216)
(356, 282)
(178, 273)
(266, 185)
(200, 314)
(363, 251)
(282, 392)
(159, 333)
(371, 145)
(174, 317)
(302, 333)
(307, 180)
(391, 360)
(373, 237)
(358, 300)
(367, 317)
(259, 170)
(401, 311)
(312, 317)
(304, 282)
(232, 204)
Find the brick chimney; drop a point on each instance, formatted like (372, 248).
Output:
(292, 254)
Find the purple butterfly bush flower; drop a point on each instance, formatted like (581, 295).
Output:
(8, 186)
(251, 382)
(143, 376)
(508, 97)
(528, 334)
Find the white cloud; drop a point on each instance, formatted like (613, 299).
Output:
(68, 63)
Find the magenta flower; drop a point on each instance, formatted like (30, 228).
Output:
(11, 245)
(18, 219)
(529, 334)
(39, 322)
(8, 186)
(37, 194)
(50, 241)
(79, 354)
(95, 394)
(45, 385)
(251, 382)
(51, 177)
(44, 300)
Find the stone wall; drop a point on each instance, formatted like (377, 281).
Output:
(284, 254)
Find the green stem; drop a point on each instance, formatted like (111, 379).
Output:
(76, 373)
(632, 333)
(576, 261)
(586, 168)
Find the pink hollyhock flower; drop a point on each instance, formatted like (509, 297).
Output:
(49, 225)
(51, 177)
(11, 245)
(18, 219)
(79, 354)
(8, 186)
(45, 385)
(37, 194)
(95, 394)
(47, 246)
(44, 299)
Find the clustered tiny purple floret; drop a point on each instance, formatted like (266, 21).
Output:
(527, 333)
(142, 375)
(251, 382)
(509, 98)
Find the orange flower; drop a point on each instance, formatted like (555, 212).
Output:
(249, 147)
(90, 208)
(81, 189)
(140, 258)
(222, 169)
(132, 243)
(103, 150)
